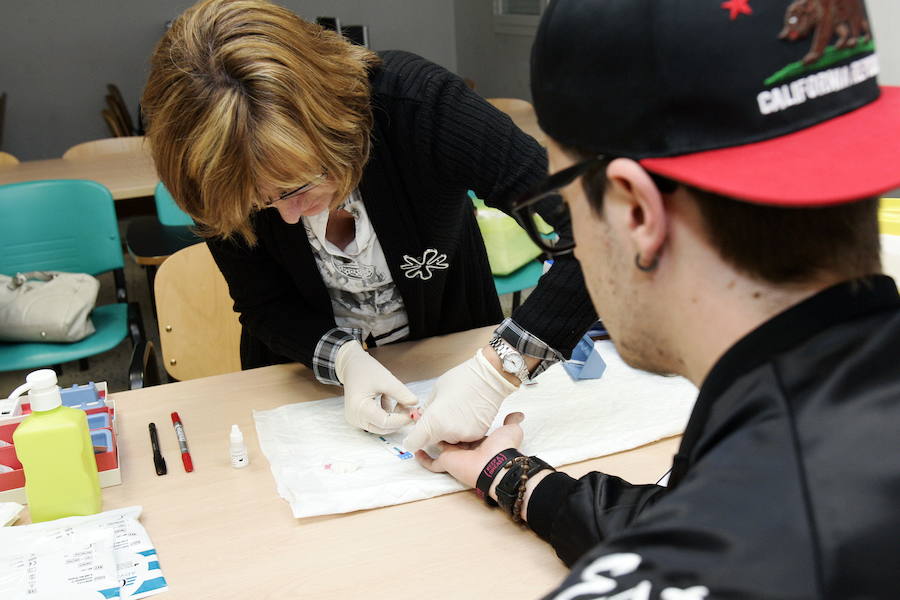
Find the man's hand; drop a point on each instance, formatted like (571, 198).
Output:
(462, 405)
(465, 461)
(368, 389)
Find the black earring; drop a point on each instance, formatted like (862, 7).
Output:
(648, 268)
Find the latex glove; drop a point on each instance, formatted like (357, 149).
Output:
(462, 405)
(369, 389)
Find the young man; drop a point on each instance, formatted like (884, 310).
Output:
(722, 191)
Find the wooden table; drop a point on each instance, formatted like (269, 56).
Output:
(125, 174)
(224, 533)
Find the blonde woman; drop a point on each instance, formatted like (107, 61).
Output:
(331, 184)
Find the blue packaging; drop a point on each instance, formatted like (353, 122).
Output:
(98, 420)
(102, 438)
(586, 362)
(84, 397)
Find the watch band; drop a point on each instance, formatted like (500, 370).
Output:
(489, 473)
(504, 349)
(510, 490)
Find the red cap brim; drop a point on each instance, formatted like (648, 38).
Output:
(856, 155)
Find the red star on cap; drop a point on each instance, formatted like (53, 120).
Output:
(737, 7)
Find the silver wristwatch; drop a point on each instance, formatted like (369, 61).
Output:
(510, 359)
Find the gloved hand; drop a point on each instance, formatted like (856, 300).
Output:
(368, 390)
(462, 405)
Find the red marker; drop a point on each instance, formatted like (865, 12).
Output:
(182, 443)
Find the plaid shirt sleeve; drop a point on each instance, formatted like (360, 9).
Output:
(528, 344)
(327, 349)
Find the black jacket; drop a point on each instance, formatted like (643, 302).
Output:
(787, 481)
(433, 140)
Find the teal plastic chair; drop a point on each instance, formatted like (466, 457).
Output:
(70, 225)
(167, 210)
(522, 278)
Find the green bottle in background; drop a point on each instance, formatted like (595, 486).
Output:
(54, 446)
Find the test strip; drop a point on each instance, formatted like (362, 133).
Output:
(395, 450)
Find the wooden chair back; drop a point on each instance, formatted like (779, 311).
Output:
(112, 122)
(8, 159)
(114, 145)
(199, 332)
(523, 115)
(511, 105)
(117, 104)
(119, 115)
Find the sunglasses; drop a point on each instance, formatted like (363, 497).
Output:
(544, 204)
(300, 190)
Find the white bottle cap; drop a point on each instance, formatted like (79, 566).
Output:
(236, 437)
(43, 393)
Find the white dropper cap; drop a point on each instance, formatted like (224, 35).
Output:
(43, 393)
(236, 437)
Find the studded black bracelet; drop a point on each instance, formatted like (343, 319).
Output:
(511, 489)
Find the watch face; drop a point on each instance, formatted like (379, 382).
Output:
(513, 363)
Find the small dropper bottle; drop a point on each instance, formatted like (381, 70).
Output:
(239, 458)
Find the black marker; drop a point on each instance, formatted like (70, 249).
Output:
(158, 461)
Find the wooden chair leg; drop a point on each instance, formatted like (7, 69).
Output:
(143, 370)
(517, 299)
(150, 270)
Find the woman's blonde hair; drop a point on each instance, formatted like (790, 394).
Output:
(242, 95)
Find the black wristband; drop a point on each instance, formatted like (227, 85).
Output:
(489, 473)
(508, 490)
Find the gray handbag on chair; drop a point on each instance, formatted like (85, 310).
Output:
(47, 306)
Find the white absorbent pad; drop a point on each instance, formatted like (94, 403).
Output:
(322, 465)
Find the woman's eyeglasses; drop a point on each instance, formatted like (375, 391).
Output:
(300, 190)
(544, 204)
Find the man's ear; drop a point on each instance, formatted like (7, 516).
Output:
(646, 220)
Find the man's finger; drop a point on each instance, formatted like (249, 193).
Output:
(426, 461)
(514, 418)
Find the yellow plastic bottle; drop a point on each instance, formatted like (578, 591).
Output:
(54, 445)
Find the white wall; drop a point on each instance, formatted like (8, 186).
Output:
(885, 16)
(498, 63)
(56, 56)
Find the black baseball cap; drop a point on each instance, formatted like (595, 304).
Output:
(761, 100)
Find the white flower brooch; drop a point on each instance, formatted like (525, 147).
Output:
(422, 267)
